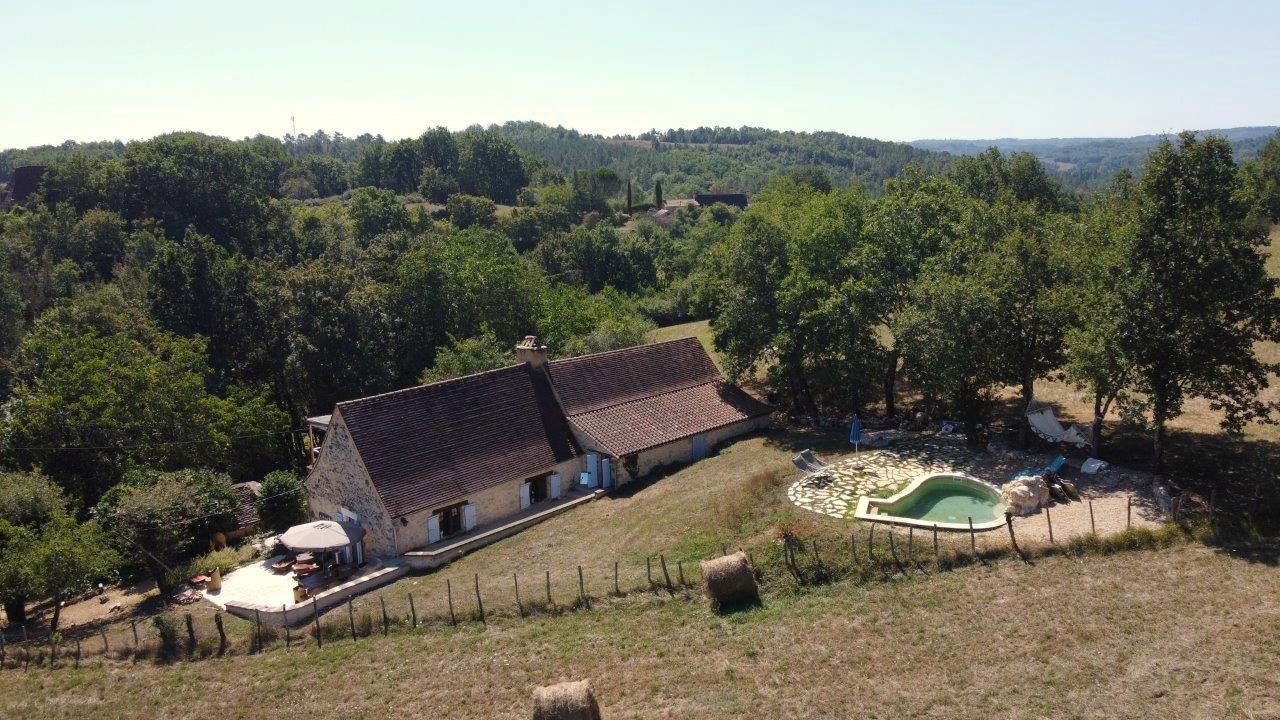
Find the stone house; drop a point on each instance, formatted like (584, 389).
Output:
(436, 464)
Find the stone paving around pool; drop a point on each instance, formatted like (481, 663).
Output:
(879, 472)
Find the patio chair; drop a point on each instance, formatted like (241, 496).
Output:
(813, 460)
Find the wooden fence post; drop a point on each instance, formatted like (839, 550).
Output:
(935, 542)
(871, 544)
(1008, 521)
(1092, 527)
(680, 572)
(448, 590)
(413, 613)
(191, 635)
(257, 629)
(1128, 511)
(386, 624)
(582, 592)
(351, 619)
(853, 548)
(549, 603)
(973, 538)
(315, 618)
(1049, 519)
(480, 600)
(133, 624)
(911, 544)
(77, 652)
(222, 634)
(106, 648)
(617, 589)
(519, 605)
(666, 575)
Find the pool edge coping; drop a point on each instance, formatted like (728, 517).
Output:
(862, 512)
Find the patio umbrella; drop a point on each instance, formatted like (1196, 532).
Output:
(855, 432)
(322, 535)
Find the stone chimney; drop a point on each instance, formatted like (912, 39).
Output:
(529, 351)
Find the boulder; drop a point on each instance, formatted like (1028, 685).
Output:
(1025, 494)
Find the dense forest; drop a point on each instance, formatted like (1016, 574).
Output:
(172, 309)
(1090, 163)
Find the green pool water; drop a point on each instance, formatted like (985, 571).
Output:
(946, 499)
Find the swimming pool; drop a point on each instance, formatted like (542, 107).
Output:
(947, 501)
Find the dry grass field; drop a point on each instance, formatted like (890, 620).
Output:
(1186, 632)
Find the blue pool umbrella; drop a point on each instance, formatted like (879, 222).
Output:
(855, 432)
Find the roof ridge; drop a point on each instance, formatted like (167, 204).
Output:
(438, 383)
(631, 348)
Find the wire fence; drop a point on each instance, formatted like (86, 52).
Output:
(869, 553)
(422, 603)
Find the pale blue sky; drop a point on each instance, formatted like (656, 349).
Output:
(892, 70)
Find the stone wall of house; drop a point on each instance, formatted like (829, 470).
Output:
(339, 479)
(493, 504)
(681, 451)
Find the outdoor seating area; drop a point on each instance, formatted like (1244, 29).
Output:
(319, 556)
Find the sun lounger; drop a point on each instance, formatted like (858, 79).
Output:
(805, 467)
(813, 460)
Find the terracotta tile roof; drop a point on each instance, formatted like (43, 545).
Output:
(428, 445)
(641, 397)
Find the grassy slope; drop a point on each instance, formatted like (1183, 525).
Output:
(1089, 642)
(1185, 633)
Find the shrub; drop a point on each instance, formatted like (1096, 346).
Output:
(283, 502)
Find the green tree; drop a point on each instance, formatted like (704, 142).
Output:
(468, 356)
(469, 210)
(944, 335)
(282, 502)
(187, 179)
(18, 580)
(436, 185)
(1198, 294)
(99, 388)
(369, 166)
(916, 218)
(490, 165)
(402, 166)
(67, 559)
(439, 149)
(375, 211)
(1096, 360)
(163, 518)
(793, 295)
(1261, 177)
(657, 194)
(1027, 275)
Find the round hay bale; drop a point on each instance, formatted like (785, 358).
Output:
(566, 701)
(730, 581)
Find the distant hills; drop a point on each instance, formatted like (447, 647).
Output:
(743, 159)
(1091, 162)
(689, 161)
